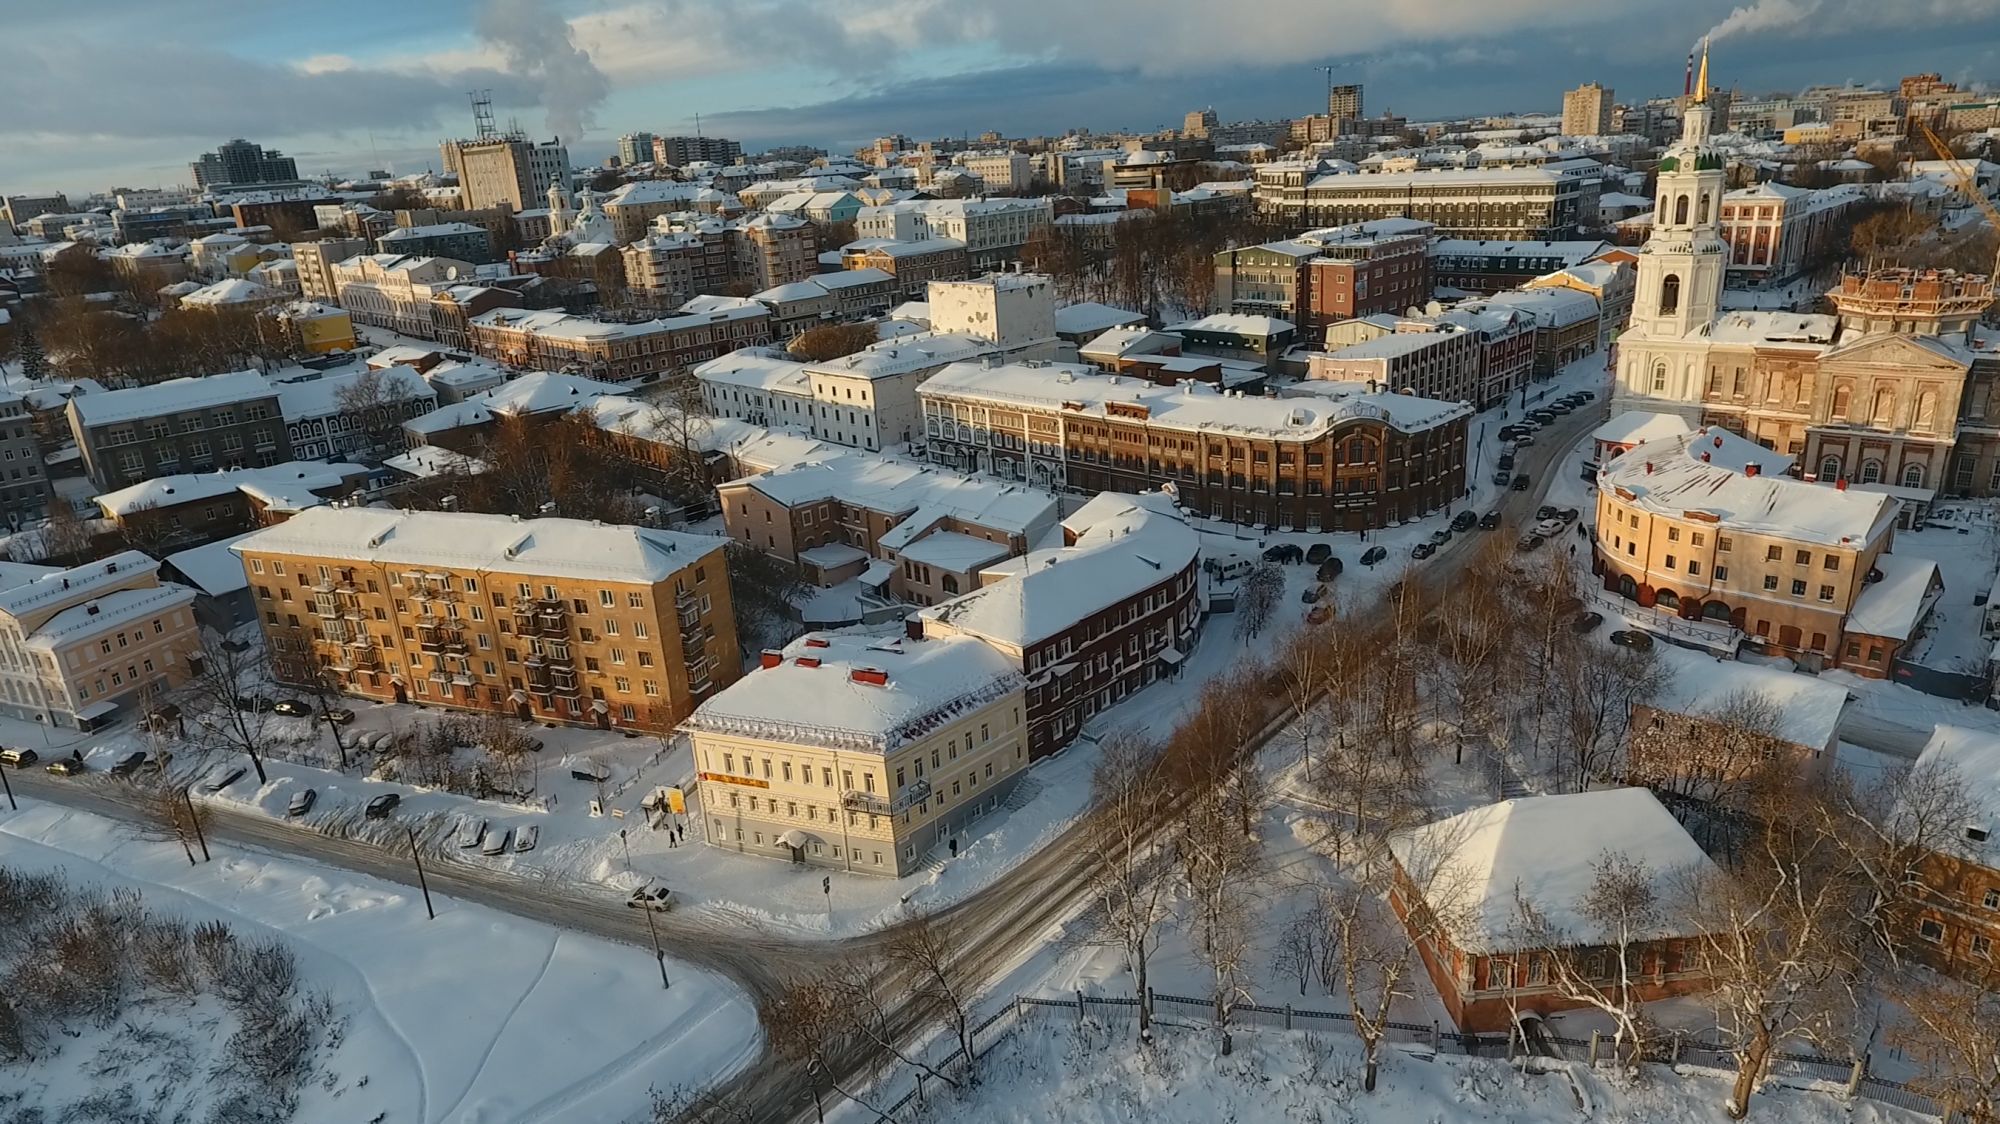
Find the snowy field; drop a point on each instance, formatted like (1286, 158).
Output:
(1054, 1068)
(474, 1017)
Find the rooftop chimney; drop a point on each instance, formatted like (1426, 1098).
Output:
(1841, 484)
(1649, 468)
(771, 658)
(1752, 469)
(807, 661)
(873, 675)
(1718, 440)
(817, 642)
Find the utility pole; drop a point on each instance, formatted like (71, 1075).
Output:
(9, 788)
(422, 883)
(658, 955)
(187, 796)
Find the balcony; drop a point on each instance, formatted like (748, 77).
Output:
(855, 800)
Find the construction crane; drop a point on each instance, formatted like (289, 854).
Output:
(1967, 183)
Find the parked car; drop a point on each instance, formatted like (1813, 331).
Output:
(340, 716)
(1587, 622)
(1502, 477)
(1328, 570)
(1530, 541)
(1373, 555)
(1312, 594)
(1544, 512)
(1465, 521)
(658, 899)
(1520, 483)
(302, 802)
(291, 708)
(380, 807)
(1560, 407)
(526, 838)
(470, 831)
(1318, 553)
(1523, 441)
(1489, 521)
(129, 764)
(68, 767)
(1321, 613)
(1567, 514)
(1548, 528)
(1588, 395)
(255, 703)
(497, 841)
(1506, 461)
(18, 758)
(1632, 638)
(1284, 552)
(222, 779)
(1422, 551)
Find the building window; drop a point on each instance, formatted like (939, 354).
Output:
(1930, 930)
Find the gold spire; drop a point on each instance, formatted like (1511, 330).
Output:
(1701, 82)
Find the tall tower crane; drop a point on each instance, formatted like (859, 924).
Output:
(1967, 183)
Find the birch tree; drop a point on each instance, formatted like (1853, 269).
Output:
(1219, 865)
(1601, 967)
(1129, 884)
(1952, 1027)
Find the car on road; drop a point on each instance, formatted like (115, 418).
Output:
(291, 708)
(340, 716)
(1329, 570)
(1465, 521)
(380, 807)
(223, 778)
(1318, 553)
(68, 767)
(1520, 483)
(1567, 514)
(1422, 551)
(470, 831)
(1312, 594)
(1441, 536)
(1632, 638)
(1373, 555)
(1530, 541)
(302, 802)
(18, 758)
(1546, 417)
(1545, 512)
(656, 898)
(255, 703)
(1506, 461)
(1560, 407)
(1587, 622)
(497, 841)
(1502, 477)
(1588, 395)
(526, 838)
(1523, 441)
(129, 764)
(1489, 521)
(1284, 552)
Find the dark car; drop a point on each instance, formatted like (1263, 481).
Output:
(1520, 483)
(1373, 555)
(225, 780)
(1546, 511)
(380, 807)
(1567, 514)
(1318, 553)
(1506, 461)
(129, 764)
(1530, 541)
(1284, 552)
(255, 703)
(1502, 477)
(1422, 551)
(1489, 521)
(1328, 570)
(1587, 622)
(1312, 594)
(1632, 638)
(1588, 395)
(1464, 521)
(302, 802)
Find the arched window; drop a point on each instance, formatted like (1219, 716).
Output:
(1927, 409)
(1670, 294)
(1659, 377)
(1913, 476)
(1842, 396)
(1667, 599)
(1829, 468)
(1884, 414)
(1701, 208)
(1871, 471)
(1681, 211)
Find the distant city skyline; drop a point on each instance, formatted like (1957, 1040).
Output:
(382, 84)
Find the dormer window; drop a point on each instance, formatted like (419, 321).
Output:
(1976, 834)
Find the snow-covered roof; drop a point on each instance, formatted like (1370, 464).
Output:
(1973, 757)
(1118, 545)
(1235, 324)
(213, 568)
(822, 692)
(753, 447)
(321, 397)
(1799, 330)
(951, 550)
(24, 588)
(171, 397)
(1895, 605)
(234, 290)
(894, 487)
(1571, 252)
(426, 461)
(537, 392)
(505, 544)
(282, 487)
(112, 611)
(1093, 317)
(904, 354)
(1667, 476)
(1633, 426)
(757, 368)
(559, 325)
(1543, 849)
(1807, 707)
(435, 230)
(1395, 344)
(1135, 339)
(1551, 308)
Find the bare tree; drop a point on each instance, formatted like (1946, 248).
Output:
(930, 955)
(1219, 866)
(1257, 601)
(1298, 951)
(1596, 693)
(832, 341)
(377, 402)
(1716, 755)
(762, 589)
(65, 538)
(1952, 1026)
(1135, 894)
(684, 1104)
(803, 1021)
(223, 672)
(1597, 963)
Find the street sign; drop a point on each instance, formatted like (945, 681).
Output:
(676, 801)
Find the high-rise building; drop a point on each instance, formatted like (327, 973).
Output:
(240, 162)
(678, 151)
(1343, 103)
(635, 148)
(1587, 111)
(1198, 123)
(508, 170)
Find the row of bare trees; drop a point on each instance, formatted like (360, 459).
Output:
(1149, 262)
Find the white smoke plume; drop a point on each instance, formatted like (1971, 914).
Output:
(1764, 15)
(1842, 16)
(539, 48)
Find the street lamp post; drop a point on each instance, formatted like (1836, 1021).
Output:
(187, 795)
(659, 955)
(9, 788)
(421, 881)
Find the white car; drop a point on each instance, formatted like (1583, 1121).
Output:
(470, 831)
(526, 838)
(497, 841)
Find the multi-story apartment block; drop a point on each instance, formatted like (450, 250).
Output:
(182, 425)
(1005, 171)
(1707, 526)
(1547, 201)
(24, 489)
(506, 171)
(994, 230)
(456, 240)
(243, 162)
(638, 352)
(1612, 284)
(407, 295)
(1427, 360)
(682, 151)
(81, 647)
(316, 261)
(552, 620)
(1343, 103)
(1015, 312)
(1259, 340)
(153, 265)
(920, 533)
(1088, 622)
(913, 265)
(868, 400)
(633, 206)
(860, 753)
(1324, 276)
(18, 209)
(1777, 232)
(1587, 110)
(635, 148)
(1483, 265)
(772, 250)
(759, 385)
(1568, 323)
(846, 295)
(1338, 457)
(666, 268)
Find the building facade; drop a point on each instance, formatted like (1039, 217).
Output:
(242, 162)
(80, 647)
(182, 425)
(617, 352)
(1587, 110)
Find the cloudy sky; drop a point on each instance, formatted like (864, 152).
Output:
(126, 92)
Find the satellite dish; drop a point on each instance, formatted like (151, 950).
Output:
(451, 273)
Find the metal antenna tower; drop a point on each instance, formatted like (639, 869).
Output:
(482, 114)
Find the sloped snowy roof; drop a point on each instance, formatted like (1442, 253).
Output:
(1808, 707)
(214, 568)
(321, 397)
(1235, 323)
(113, 610)
(1633, 426)
(1973, 756)
(1895, 605)
(1091, 316)
(1666, 476)
(757, 368)
(536, 392)
(171, 397)
(1542, 849)
(891, 487)
(566, 548)
(285, 487)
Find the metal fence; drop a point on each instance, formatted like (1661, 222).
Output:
(1679, 1049)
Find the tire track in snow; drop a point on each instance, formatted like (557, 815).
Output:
(519, 1001)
